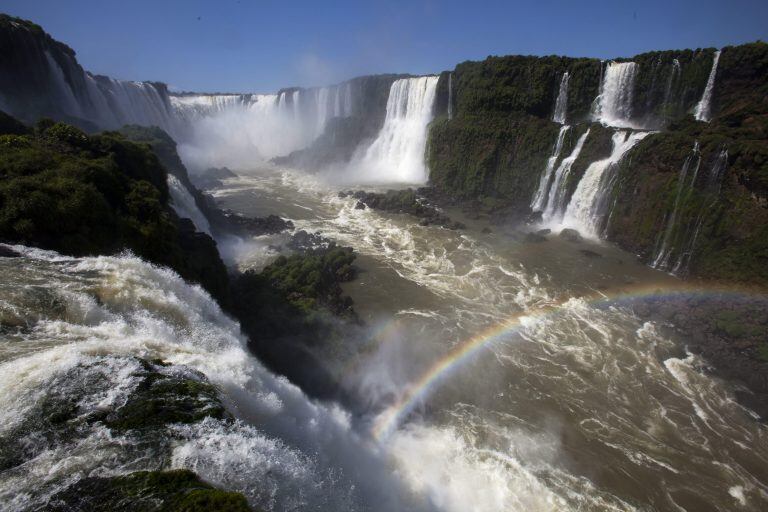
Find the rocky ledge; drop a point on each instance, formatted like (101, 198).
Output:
(404, 201)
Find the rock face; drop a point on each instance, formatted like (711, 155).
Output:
(106, 194)
(404, 201)
(712, 224)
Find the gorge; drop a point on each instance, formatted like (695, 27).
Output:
(548, 293)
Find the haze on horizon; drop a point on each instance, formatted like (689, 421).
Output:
(245, 46)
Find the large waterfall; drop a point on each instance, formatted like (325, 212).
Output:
(240, 130)
(561, 104)
(540, 197)
(703, 111)
(614, 103)
(397, 154)
(587, 209)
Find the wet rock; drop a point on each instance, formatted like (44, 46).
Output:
(535, 238)
(486, 230)
(571, 235)
(256, 226)
(534, 218)
(7, 252)
(360, 206)
(544, 231)
(590, 254)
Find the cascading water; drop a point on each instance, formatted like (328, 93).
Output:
(561, 104)
(397, 154)
(555, 200)
(281, 450)
(662, 261)
(614, 103)
(674, 76)
(703, 110)
(710, 195)
(239, 130)
(184, 205)
(450, 96)
(587, 208)
(542, 192)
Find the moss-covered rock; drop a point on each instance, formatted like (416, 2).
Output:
(63, 190)
(147, 491)
(66, 411)
(291, 311)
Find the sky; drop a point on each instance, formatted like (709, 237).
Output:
(261, 46)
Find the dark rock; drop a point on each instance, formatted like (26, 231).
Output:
(145, 491)
(571, 235)
(544, 231)
(534, 217)
(535, 238)
(256, 226)
(486, 230)
(7, 252)
(590, 254)
(360, 206)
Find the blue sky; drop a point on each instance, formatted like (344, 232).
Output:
(251, 46)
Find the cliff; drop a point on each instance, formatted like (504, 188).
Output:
(497, 142)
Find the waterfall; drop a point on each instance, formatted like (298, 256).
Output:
(546, 177)
(664, 252)
(711, 194)
(614, 103)
(184, 205)
(555, 200)
(347, 99)
(561, 104)
(397, 154)
(703, 111)
(450, 96)
(587, 208)
(295, 103)
(674, 74)
(322, 109)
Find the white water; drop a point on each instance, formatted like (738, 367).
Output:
(284, 452)
(184, 205)
(542, 192)
(239, 131)
(674, 75)
(591, 387)
(450, 96)
(586, 210)
(107, 102)
(614, 104)
(703, 110)
(561, 104)
(555, 199)
(397, 154)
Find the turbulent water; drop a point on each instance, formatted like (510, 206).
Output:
(587, 409)
(614, 103)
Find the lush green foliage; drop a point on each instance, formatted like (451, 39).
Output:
(61, 189)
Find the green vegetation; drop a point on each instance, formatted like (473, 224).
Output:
(147, 491)
(63, 190)
(291, 310)
(520, 85)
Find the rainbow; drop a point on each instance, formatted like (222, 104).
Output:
(388, 420)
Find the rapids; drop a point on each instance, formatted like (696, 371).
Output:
(588, 408)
